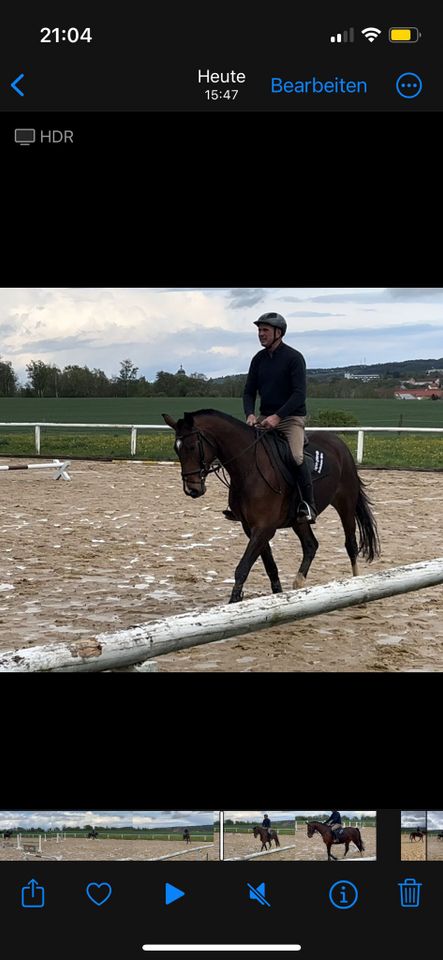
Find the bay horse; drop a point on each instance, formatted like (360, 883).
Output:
(416, 833)
(267, 835)
(347, 835)
(260, 498)
(186, 835)
(92, 835)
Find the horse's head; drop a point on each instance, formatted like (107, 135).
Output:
(256, 831)
(311, 828)
(195, 452)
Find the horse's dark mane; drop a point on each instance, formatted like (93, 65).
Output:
(189, 417)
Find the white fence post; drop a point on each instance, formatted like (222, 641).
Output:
(133, 441)
(360, 442)
(37, 439)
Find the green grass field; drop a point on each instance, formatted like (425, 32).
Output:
(389, 450)
(369, 413)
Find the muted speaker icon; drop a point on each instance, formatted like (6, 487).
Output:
(346, 37)
(258, 893)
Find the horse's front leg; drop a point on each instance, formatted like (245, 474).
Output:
(330, 855)
(346, 848)
(268, 563)
(258, 542)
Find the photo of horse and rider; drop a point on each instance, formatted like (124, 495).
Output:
(268, 834)
(413, 835)
(147, 835)
(300, 835)
(422, 835)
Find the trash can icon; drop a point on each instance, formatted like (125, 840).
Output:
(410, 893)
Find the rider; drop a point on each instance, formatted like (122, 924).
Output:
(266, 822)
(335, 823)
(278, 374)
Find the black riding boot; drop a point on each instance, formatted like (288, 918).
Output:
(307, 509)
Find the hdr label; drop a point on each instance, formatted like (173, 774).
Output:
(56, 136)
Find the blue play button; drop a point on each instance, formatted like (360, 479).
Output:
(172, 893)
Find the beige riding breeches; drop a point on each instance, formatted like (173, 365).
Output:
(294, 431)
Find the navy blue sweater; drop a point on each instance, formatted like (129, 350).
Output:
(280, 379)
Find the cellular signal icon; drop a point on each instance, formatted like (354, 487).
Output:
(371, 33)
(346, 37)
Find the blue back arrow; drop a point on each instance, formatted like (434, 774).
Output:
(14, 84)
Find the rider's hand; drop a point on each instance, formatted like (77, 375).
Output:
(272, 421)
(251, 420)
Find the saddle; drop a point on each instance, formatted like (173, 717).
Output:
(281, 457)
(278, 448)
(338, 835)
(279, 452)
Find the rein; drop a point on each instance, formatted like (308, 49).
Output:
(204, 470)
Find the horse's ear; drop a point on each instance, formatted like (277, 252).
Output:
(169, 420)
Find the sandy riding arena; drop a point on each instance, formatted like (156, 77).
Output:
(434, 847)
(121, 544)
(83, 849)
(414, 850)
(244, 844)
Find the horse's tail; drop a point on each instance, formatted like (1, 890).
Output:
(369, 545)
(362, 846)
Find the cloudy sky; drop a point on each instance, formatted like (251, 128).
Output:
(254, 815)
(435, 819)
(118, 819)
(211, 330)
(413, 818)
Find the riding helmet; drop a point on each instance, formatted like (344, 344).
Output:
(273, 320)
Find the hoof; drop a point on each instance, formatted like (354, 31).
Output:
(299, 582)
(277, 587)
(236, 597)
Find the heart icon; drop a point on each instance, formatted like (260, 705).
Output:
(99, 893)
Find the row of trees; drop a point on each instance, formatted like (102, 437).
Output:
(48, 380)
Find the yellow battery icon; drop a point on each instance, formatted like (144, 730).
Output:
(404, 34)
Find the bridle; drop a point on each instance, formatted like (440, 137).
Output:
(204, 469)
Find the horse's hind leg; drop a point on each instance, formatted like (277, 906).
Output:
(346, 848)
(347, 516)
(309, 546)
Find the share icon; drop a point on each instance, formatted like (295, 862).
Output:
(258, 893)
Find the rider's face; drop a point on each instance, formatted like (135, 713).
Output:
(266, 334)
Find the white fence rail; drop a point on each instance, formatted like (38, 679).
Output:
(108, 651)
(360, 431)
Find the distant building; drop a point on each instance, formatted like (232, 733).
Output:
(362, 376)
(429, 394)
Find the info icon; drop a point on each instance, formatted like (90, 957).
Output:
(343, 895)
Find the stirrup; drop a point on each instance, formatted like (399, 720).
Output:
(306, 512)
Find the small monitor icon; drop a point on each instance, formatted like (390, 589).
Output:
(24, 137)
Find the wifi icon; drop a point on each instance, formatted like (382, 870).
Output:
(371, 33)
